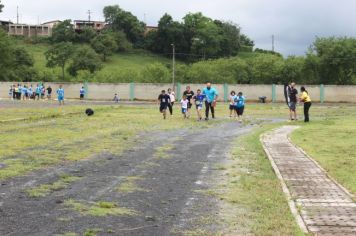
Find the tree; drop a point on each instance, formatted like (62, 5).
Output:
(85, 58)
(266, 69)
(120, 20)
(59, 55)
(337, 64)
(63, 32)
(156, 72)
(293, 70)
(87, 34)
(230, 42)
(203, 34)
(104, 44)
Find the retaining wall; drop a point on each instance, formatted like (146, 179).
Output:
(130, 91)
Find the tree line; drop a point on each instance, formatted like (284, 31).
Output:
(207, 49)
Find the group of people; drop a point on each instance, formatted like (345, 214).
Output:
(292, 100)
(206, 97)
(27, 92)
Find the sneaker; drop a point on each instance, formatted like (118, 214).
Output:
(207, 118)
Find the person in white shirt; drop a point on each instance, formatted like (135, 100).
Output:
(184, 103)
(172, 95)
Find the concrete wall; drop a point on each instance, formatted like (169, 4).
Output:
(127, 91)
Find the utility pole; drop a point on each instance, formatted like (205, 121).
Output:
(174, 66)
(89, 15)
(272, 42)
(17, 15)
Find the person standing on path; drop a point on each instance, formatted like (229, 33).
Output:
(292, 92)
(305, 98)
(232, 106)
(60, 95)
(189, 94)
(240, 105)
(82, 93)
(164, 101)
(172, 96)
(211, 98)
(49, 92)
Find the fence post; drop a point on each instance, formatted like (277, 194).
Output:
(226, 91)
(274, 97)
(178, 93)
(132, 91)
(322, 93)
(86, 89)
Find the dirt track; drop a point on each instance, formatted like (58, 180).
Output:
(165, 202)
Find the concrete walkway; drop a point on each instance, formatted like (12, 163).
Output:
(320, 205)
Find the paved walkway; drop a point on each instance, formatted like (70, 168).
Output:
(324, 207)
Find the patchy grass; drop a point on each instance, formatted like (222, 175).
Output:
(332, 144)
(99, 209)
(252, 199)
(162, 152)
(130, 185)
(38, 143)
(46, 189)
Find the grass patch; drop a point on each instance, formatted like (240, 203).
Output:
(46, 189)
(162, 152)
(99, 209)
(332, 144)
(253, 201)
(130, 185)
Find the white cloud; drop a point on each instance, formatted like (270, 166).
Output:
(295, 23)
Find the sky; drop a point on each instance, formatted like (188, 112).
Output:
(294, 23)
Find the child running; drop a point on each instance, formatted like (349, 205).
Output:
(240, 105)
(164, 101)
(60, 95)
(184, 103)
(233, 104)
(199, 100)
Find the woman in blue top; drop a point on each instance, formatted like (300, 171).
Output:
(240, 105)
(211, 98)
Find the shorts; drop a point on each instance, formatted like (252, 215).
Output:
(292, 105)
(240, 110)
(81, 95)
(189, 105)
(163, 107)
(199, 107)
(232, 107)
(184, 110)
(60, 98)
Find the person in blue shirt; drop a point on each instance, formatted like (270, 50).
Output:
(240, 105)
(199, 100)
(38, 91)
(82, 93)
(60, 95)
(210, 102)
(24, 91)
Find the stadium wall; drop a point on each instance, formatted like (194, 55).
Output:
(131, 91)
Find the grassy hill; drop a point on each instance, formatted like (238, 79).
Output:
(120, 67)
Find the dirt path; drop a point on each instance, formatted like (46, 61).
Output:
(158, 181)
(325, 207)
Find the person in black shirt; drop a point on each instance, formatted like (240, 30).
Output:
(292, 95)
(164, 101)
(49, 92)
(189, 93)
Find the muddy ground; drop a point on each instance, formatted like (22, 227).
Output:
(169, 171)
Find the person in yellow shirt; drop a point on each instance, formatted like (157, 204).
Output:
(305, 98)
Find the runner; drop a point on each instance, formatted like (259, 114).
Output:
(305, 98)
(60, 95)
(292, 92)
(189, 93)
(240, 105)
(232, 106)
(116, 98)
(43, 91)
(38, 91)
(185, 104)
(199, 100)
(81, 93)
(210, 102)
(172, 96)
(164, 101)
